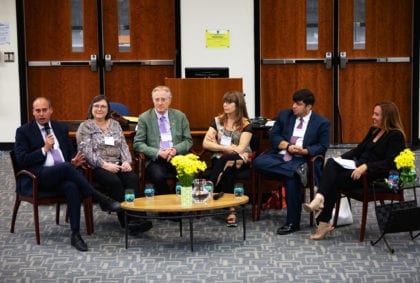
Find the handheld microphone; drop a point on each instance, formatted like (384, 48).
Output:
(218, 195)
(47, 129)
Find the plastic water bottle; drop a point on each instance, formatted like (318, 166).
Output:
(393, 179)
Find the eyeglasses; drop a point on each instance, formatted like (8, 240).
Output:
(100, 106)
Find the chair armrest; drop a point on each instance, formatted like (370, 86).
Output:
(34, 181)
(26, 172)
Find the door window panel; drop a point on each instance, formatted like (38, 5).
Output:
(359, 25)
(77, 25)
(123, 25)
(312, 25)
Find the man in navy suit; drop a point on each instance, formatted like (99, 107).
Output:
(44, 148)
(297, 132)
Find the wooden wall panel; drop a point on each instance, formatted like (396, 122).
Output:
(200, 99)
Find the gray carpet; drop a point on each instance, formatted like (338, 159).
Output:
(220, 254)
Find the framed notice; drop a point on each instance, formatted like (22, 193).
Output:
(217, 38)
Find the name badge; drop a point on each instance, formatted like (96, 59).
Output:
(109, 141)
(226, 140)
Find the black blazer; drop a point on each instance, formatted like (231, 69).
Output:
(28, 144)
(380, 156)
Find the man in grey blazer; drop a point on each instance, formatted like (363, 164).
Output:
(162, 133)
(297, 132)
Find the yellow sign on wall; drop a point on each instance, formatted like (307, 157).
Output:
(218, 38)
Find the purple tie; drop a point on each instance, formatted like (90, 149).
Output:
(300, 123)
(287, 156)
(162, 124)
(54, 152)
(163, 130)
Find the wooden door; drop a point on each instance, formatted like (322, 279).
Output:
(381, 71)
(287, 65)
(151, 57)
(347, 81)
(70, 78)
(53, 69)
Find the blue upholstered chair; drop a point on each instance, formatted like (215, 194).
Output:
(120, 108)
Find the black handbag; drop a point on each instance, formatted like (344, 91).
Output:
(398, 217)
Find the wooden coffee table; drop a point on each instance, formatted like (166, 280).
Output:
(172, 204)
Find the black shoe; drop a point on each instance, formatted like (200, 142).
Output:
(302, 171)
(78, 243)
(139, 226)
(287, 229)
(106, 203)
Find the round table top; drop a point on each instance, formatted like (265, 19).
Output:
(172, 203)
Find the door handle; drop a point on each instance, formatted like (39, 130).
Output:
(343, 59)
(108, 62)
(93, 63)
(328, 60)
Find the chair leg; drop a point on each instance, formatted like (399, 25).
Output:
(67, 215)
(254, 208)
(364, 218)
(88, 210)
(259, 199)
(36, 222)
(254, 201)
(337, 209)
(57, 214)
(15, 210)
(311, 214)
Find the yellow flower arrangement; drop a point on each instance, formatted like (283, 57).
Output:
(187, 167)
(405, 163)
(405, 160)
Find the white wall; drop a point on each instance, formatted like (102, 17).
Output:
(9, 77)
(234, 15)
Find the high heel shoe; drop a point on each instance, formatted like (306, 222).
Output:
(316, 205)
(323, 229)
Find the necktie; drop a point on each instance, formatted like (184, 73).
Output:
(54, 152)
(300, 123)
(287, 156)
(162, 124)
(164, 139)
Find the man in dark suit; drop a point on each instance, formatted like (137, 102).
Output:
(162, 133)
(297, 132)
(44, 148)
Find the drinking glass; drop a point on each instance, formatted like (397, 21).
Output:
(238, 190)
(210, 187)
(129, 195)
(149, 191)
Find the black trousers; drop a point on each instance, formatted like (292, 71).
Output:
(229, 174)
(334, 178)
(157, 171)
(66, 178)
(115, 184)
